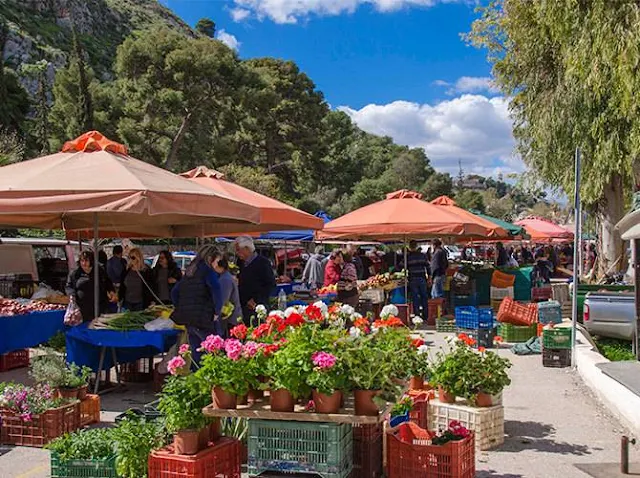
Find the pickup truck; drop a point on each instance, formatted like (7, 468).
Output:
(610, 314)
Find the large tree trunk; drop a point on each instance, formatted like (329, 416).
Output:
(611, 210)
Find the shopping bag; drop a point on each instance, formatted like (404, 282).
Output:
(73, 314)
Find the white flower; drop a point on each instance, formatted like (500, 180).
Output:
(388, 311)
(323, 307)
(289, 311)
(261, 311)
(356, 316)
(417, 320)
(276, 313)
(374, 330)
(423, 349)
(355, 332)
(347, 310)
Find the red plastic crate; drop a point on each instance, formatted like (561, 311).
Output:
(541, 294)
(15, 359)
(410, 454)
(436, 309)
(515, 313)
(90, 410)
(139, 371)
(367, 451)
(221, 460)
(419, 413)
(42, 428)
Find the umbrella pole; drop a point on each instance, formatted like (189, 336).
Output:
(96, 266)
(406, 273)
(285, 258)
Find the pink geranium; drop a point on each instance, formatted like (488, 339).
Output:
(175, 364)
(184, 349)
(250, 349)
(212, 343)
(233, 348)
(323, 360)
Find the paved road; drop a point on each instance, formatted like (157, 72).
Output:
(552, 423)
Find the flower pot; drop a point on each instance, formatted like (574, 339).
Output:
(186, 442)
(82, 392)
(484, 400)
(223, 399)
(416, 383)
(282, 400)
(69, 393)
(203, 437)
(327, 403)
(243, 400)
(446, 397)
(255, 395)
(364, 404)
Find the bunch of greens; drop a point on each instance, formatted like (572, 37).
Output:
(135, 438)
(182, 400)
(129, 320)
(235, 428)
(93, 444)
(58, 342)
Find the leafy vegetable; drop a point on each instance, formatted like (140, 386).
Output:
(93, 444)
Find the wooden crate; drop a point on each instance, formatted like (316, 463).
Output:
(486, 422)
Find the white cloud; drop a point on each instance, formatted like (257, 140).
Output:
(474, 129)
(290, 11)
(469, 84)
(228, 39)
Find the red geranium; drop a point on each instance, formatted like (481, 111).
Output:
(314, 313)
(239, 332)
(260, 331)
(417, 342)
(390, 321)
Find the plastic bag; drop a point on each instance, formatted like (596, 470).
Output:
(73, 315)
(42, 292)
(159, 324)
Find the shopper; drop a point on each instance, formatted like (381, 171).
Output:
(256, 279)
(166, 274)
(334, 268)
(502, 257)
(367, 264)
(417, 267)
(197, 299)
(230, 295)
(136, 283)
(80, 286)
(348, 283)
(313, 274)
(116, 265)
(439, 266)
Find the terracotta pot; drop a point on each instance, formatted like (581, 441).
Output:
(243, 400)
(255, 395)
(82, 392)
(327, 403)
(416, 383)
(446, 397)
(203, 437)
(282, 401)
(223, 399)
(186, 442)
(364, 404)
(215, 430)
(67, 392)
(484, 400)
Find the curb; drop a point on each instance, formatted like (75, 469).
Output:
(622, 402)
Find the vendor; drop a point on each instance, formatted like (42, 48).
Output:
(166, 274)
(348, 283)
(136, 283)
(256, 279)
(80, 286)
(334, 268)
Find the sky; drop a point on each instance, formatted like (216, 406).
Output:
(396, 67)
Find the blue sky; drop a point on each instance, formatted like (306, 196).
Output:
(397, 67)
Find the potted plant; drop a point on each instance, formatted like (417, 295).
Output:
(455, 372)
(181, 402)
(75, 382)
(327, 380)
(492, 378)
(420, 367)
(70, 380)
(400, 411)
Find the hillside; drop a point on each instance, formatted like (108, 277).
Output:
(41, 29)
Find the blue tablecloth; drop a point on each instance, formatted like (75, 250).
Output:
(22, 331)
(84, 345)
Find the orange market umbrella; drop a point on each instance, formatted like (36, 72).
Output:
(402, 215)
(93, 177)
(544, 230)
(492, 230)
(274, 215)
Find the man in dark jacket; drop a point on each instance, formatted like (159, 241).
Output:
(256, 280)
(418, 269)
(116, 266)
(439, 266)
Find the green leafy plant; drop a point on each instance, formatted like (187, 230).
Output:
(182, 400)
(58, 342)
(492, 374)
(402, 406)
(615, 350)
(457, 370)
(76, 376)
(135, 438)
(369, 366)
(329, 372)
(51, 368)
(455, 432)
(92, 444)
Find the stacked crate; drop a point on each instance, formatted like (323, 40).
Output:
(477, 323)
(556, 345)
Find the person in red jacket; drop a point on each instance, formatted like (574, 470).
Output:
(334, 269)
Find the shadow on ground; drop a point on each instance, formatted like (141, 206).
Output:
(537, 436)
(495, 474)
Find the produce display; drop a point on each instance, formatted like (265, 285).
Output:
(11, 307)
(327, 290)
(380, 281)
(129, 320)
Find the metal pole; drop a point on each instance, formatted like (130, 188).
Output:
(96, 268)
(406, 279)
(576, 258)
(635, 251)
(285, 258)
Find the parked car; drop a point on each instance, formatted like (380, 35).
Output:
(610, 314)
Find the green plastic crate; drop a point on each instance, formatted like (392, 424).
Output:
(556, 338)
(325, 449)
(516, 333)
(83, 468)
(445, 324)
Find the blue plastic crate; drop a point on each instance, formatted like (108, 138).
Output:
(474, 317)
(549, 312)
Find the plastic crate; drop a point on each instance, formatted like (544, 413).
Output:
(418, 458)
(556, 358)
(486, 422)
(140, 371)
(483, 337)
(502, 280)
(517, 333)
(495, 305)
(420, 410)
(499, 293)
(436, 309)
(459, 287)
(17, 288)
(445, 324)
(15, 359)
(549, 312)
(556, 338)
(42, 428)
(82, 468)
(321, 448)
(474, 317)
(222, 460)
(90, 410)
(561, 293)
(540, 294)
(151, 411)
(465, 300)
(515, 313)
(367, 451)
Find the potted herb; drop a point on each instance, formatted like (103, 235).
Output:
(70, 380)
(75, 382)
(327, 380)
(181, 402)
(135, 439)
(492, 378)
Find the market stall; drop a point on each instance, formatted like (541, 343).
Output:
(25, 324)
(540, 229)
